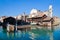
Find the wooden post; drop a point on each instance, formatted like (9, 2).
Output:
(52, 23)
(32, 20)
(16, 25)
(8, 27)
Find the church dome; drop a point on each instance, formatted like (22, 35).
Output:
(33, 11)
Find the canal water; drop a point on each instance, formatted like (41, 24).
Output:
(34, 34)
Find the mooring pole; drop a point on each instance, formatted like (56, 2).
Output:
(8, 27)
(52, 24)
(16, 25)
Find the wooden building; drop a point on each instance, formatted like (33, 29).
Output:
(42, 20)
(48, 21)
(8, 20)
(37, 19)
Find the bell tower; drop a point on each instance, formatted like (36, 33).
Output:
(50, 10)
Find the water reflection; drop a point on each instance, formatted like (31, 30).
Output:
(10, 35)
(41, 34)
(34, 34)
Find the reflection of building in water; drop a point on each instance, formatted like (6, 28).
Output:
(18, 34)
(51, 35)
(10, 34)
(32, 35)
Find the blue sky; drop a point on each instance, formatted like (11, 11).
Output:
(16, 7)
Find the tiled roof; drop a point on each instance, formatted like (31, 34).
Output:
(40, 15)
(47, 18)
